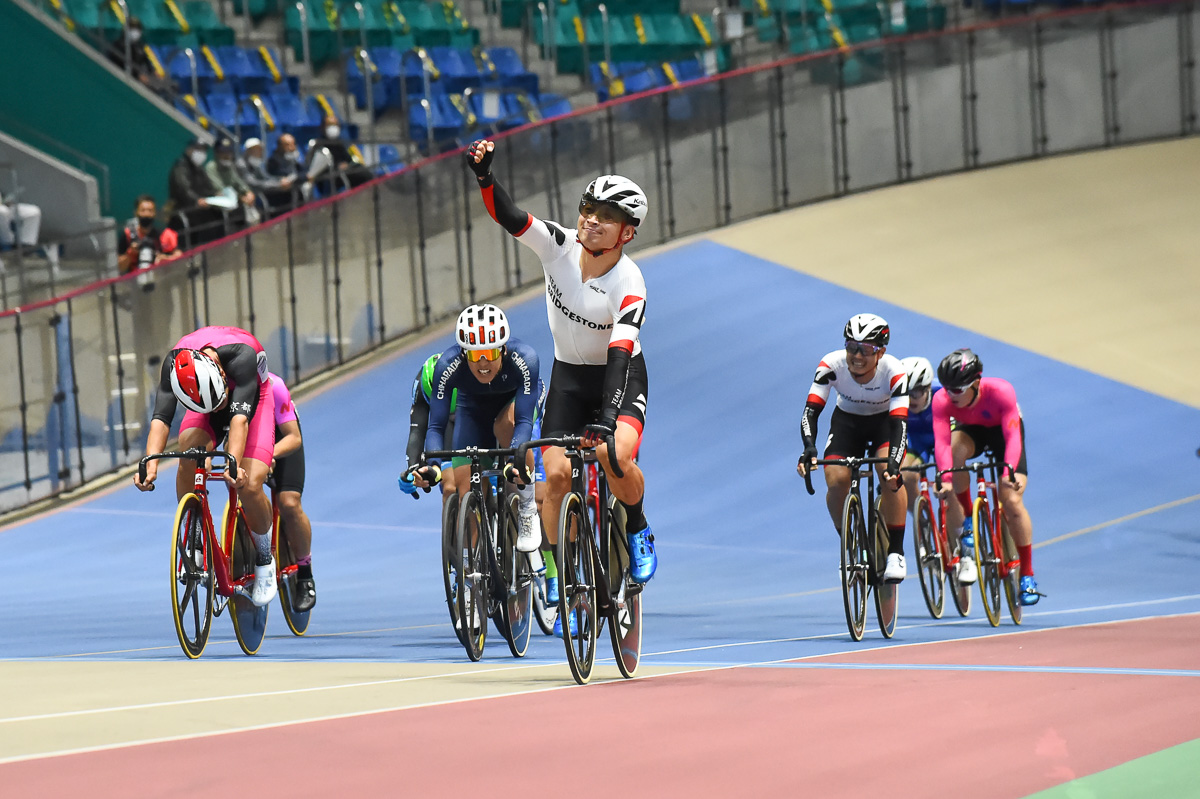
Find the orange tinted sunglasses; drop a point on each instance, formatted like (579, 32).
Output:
(475, 356)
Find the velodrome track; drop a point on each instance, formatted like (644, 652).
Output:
(1081, 298)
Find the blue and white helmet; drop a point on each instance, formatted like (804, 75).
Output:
(920, 372)
(621, 192)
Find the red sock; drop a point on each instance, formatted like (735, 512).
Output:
(1026, 560)
(964, 499)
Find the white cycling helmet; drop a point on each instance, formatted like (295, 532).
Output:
(481, 327)
(867, 328)
(621, 192)
(920, 372)
(197, 381)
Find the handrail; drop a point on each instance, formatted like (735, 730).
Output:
(191, 57)
(428, 124)
(369, 74)
(128, 45)
(603, 9)
(262, 121)
(305, 50)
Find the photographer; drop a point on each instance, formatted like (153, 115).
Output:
(141, 243)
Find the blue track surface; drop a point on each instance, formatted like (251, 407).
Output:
(747, 559)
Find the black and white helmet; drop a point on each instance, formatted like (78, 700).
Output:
(618, 191)
(868, 328)
(960, 369)
(481, 327)
(920, 372)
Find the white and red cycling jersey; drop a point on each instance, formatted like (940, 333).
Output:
(886, 392)
(586, 317)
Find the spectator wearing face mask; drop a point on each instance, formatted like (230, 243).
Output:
(278, 193)
(223, 172)
(142, 243)
(345, 171)
(189, 189)
(139, 62)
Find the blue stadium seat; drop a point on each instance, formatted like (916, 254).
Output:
(389, 160)
(291, 114)
(446, 121)
(458, 68)
(513, 72)
(222, 106)
(180, 71)
(247, 75)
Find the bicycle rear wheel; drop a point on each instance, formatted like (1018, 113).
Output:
(449, 569)
(986, 560)
(576, 587)
(625, 616)
(854, 566)
(930, 568)
(886, 594)
(192, 577)
(297, 621)
(249, 620)
(470, 563)
(1011, 571)
(518, 583)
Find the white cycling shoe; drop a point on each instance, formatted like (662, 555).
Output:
(896, 569)
(967, 572)
(476, 621)
(529, 536)
(265, 587)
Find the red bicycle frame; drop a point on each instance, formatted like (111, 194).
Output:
(226, 585)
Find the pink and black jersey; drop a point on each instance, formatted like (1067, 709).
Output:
(285, 409)
(996, 406)
(241, 357)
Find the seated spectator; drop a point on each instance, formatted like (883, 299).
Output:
(223, 173)
(139, 63)
(19, 224)
(346, 171)
(190, 189)
(278, 193)
(285, 161)
(142, 243)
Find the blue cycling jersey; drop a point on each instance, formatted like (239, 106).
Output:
(517, 379)
(920, 429)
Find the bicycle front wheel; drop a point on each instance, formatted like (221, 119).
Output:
(470, 562)
(1011, 571)
(987, 561)
(930, 567)
(249, 620)
(886, 594)
(855, 567)
(449, 570)
(192, 577)
(297, 621)
(576, 587)
(518, 583)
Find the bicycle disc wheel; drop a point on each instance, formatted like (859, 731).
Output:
(625, 615)
(249, 620)
(192, 577)
(1011, 569)
(986, 560)
(449, 569)
(886, 594)
(930, 568)
(576, 587)
(297, 621)
(518, 583)
(854, 566)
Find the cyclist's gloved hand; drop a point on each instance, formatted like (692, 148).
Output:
(431, 474)
(603, 427)
(407, 485)
(807, 457)
(514, 475)
(486, 150)
(1011, 472)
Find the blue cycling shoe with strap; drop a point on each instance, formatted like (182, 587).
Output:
(643, 559)
(1029, 590)
(551, 590)
(967, 540)
(558, 631)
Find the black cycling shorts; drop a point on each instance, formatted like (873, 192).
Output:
(992, 439)
(576, 391)
(289, 472)
(851, 435)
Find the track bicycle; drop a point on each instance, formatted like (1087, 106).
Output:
(937, 561)
(486, 576)
(207, 573)
(995, 551)
(863, 555)
(594, 576)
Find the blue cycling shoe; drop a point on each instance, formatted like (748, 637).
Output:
(573, 625)
(552, 591)
(1029, 590)
(644, 559)
(967, 541)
